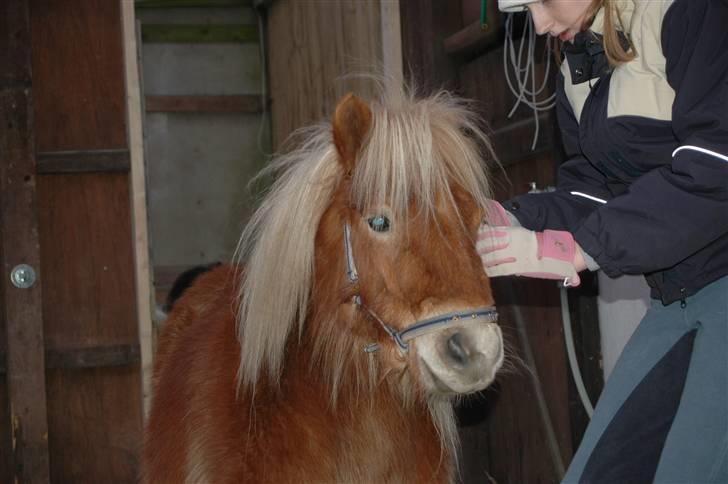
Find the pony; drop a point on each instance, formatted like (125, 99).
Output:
(356, 312)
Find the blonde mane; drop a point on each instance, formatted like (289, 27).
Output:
(415, 150)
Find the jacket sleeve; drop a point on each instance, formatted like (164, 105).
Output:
(681, 207)
(580, 189)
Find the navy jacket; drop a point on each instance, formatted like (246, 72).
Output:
(645, 186)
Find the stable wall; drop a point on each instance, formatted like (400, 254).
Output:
(71, 362)
(313, 45)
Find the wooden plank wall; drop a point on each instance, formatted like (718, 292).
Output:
(92, 380)
(94, 414)
(24, 439)
(311, 45)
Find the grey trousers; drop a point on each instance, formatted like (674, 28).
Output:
(663, 414)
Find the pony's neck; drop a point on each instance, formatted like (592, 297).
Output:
(374, 432)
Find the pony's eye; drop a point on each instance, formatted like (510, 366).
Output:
(379, 223)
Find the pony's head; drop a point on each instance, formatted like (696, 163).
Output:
(365, 245)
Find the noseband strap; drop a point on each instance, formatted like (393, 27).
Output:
(418, 328)
(455, 318)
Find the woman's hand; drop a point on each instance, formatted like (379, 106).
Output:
(495, 214)
(552, 254)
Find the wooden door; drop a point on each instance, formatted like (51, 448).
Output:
(71, 399)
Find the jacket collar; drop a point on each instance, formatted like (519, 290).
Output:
(585, 54)
(586, 57)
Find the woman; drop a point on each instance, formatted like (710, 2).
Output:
(643, 110)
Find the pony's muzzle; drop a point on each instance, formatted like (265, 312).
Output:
(461, 359)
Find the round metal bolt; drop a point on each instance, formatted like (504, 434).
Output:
(23, 276)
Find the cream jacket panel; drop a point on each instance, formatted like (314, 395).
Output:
(639, 87)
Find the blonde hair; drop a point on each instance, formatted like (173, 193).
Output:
(616, 54)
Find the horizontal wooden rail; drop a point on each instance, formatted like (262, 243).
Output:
(92, 357)
(87, 161)
(250, 104)
(199, 34)
(472, 39)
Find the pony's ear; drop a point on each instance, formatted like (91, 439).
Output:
(352, 120)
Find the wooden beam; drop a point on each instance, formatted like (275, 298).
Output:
(96, 357)
(472, 39)
(199, 34)
(249, 104)
(137, 186)
(476, 36)
(191, 3)
(101, 356)
(21, 308)
(87, 161)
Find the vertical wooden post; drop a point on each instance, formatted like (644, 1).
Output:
(143, 275)
(21, 307)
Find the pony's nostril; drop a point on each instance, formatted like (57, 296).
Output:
(457, 350)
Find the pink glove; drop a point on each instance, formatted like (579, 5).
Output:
(495, 214)
(552, 254)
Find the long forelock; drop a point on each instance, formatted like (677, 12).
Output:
(417, 151)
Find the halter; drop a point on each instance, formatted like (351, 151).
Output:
(401, 338)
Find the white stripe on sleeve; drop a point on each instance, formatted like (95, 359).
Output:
(590, 197)
(701, 150)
